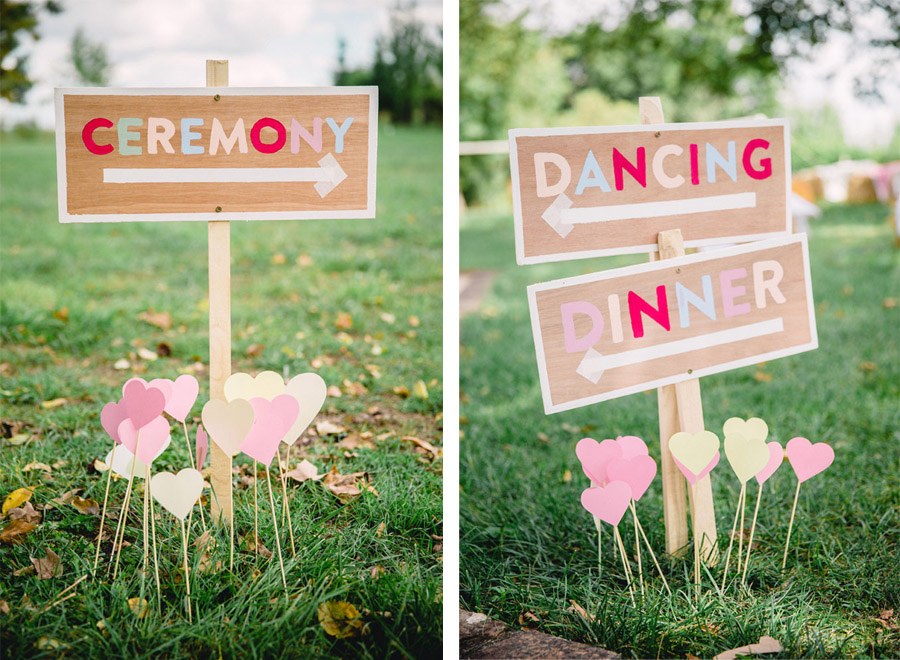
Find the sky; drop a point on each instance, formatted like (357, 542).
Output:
(165, 43)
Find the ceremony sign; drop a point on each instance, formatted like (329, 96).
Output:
(594, 191)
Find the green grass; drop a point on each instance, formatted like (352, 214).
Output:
(528, 546)
(380, 272)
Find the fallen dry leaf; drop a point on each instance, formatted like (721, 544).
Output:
(762, 376)
(764, 645)
(54, 403)
(354, 389)
(305, 470)
(61, 314)
(87, 506)
(326, 427)
(47, 644)
(25, 512)
(376, 572)
(278, 259)
(16, 499)
(18, 439)
(64, 498)
(580, 611)
(334, 392)
(48, 566)
(261, 549)
(122, 364)
(37, 466)
(138, 606)
(402, 391)
(346, 486)
(15, 531)
(146, 354)
(380, 531)
(161, 320)
(424, 445)
(340, 619)
(343, 321)
(414, 321)
(420, 390)
(868, 366)
(567, 476)
(4, 607)
(885, 620)
(889, 303)
(527, 618)
(357, 441)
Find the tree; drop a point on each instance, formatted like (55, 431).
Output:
(89, 60)
(17, 20)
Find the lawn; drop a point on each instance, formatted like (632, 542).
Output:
(528, 549)
(358, 301)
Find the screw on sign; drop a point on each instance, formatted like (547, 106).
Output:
(216, 154)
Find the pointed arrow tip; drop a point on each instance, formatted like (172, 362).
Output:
(335, 174)
(553, 215)
(591, 366)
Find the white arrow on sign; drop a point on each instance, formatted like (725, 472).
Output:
(594, 363)
(562, 216)
(326, 177)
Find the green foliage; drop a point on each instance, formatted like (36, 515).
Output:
(89, 60)
(381, 272)
(816, 139)
(528, 546)
(18, 19)
(407, 68)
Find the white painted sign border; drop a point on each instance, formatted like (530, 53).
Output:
(515, 133)
(550, 408)
(368, 212)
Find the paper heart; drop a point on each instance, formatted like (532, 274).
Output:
(595, 457)
(694, 478)
(751, 429)
(111, 416)
(745, 455)
(151, 440)
(310, 391)
(638, 472)
(142, 402)
(632, 446)
(694, 450)
(609, 502)
(776, 458)
(228, 423)
(164, 385)
(177, 493)
(808, 459)
(183, 395)
(201, 446)
(271, 420)
(120, 461)
(266, 385)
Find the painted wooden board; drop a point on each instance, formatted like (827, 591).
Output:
(216, 153)
(608, 334)
(594, 191)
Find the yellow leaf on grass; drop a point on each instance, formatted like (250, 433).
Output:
(18, 439)
(17, 498)
(420, 391)
(54, 403)
(87, 506)
(138, 606)
(340, 619)
(343, 321)
(37, 466)
(15, 531)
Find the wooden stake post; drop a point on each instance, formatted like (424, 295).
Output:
(680, 409)
(221, 503)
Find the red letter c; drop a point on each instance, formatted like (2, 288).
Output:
(87, 136)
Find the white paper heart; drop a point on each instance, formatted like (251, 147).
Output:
(177, 493)
(310, 391)
(266, 385)
(228, 423)
(120, 461)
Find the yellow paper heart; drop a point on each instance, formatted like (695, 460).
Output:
(694, 450)
(746, 457)
(310, 391)
(266, 385)
(751, 429)
(228, 423)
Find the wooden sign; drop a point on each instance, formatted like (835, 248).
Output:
(216, 153)
(583, 192)
(617, 332)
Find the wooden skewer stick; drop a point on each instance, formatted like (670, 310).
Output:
(286, 509)
(650, 548)
(637, 548)
(628, 576)
(599, 525)
(187, 576)
(187, 441)
(256, 510)
(274, 524)
(109, 472)
(787, 541)
(153, 535)
(117, 539)
(740, 556)
(752, 531)
(731, 537)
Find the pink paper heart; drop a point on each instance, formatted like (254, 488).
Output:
(609, 502)
(595, 457)
(164, 385)
(111, 416)
(184, 394)
(271, 420)
(201, 446)
(142, 402)
(694, 478)
(632, 446)
(150, 440)
(638, 472)
(808, 459)
(776, 458)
